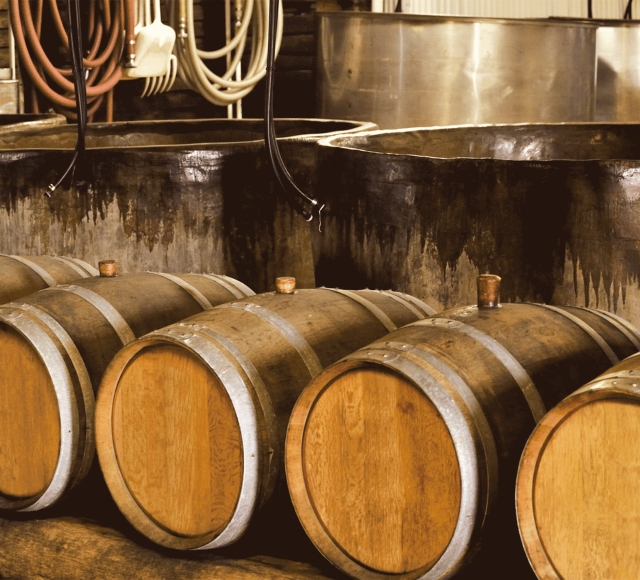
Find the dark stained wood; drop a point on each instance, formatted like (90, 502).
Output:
(425, 211)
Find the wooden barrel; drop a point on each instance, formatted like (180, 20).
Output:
(23, 275)
(577, 500)
(401, 457)
(54, 347)
(191, 419)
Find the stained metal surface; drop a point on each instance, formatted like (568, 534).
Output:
(552, 209)
(164, 196)
(401, 70)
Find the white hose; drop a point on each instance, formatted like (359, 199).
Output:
(224, 90)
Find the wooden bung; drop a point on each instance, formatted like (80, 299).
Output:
(108, 268)
(54, 347)
(576, 496)
(23, 275)
(191, 419)
(399, 457)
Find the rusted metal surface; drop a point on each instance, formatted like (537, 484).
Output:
(168, 196)
(552, 209)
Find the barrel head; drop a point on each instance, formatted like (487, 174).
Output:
(177, 442)
(585, 502)
(29, 419)
(380, 470)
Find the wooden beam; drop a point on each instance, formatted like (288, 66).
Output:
(76, 549)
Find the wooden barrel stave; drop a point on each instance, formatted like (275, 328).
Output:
(489, 419)
(264, 350)
(23, 275)
(69, 329)
(593, 515)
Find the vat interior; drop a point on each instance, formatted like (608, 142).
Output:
(167, 133)
(534, 142)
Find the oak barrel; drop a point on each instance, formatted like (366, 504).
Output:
(191, 419)
(54, 347)
(577, 492)
(23, 275)
(401, 458)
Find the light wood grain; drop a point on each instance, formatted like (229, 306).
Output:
(492, 373)
(271, 344)
(29, 419)
(585, 496)
(178, 441)
(376, 444)
(144, 301)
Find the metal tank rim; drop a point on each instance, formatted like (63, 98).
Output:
(199, 126)
(353, 141)
(609, 22)
(436, 19)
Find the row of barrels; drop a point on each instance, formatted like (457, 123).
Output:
(399, 430)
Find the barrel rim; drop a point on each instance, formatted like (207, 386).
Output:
(68, 410)
(599, 389)
(85, 396)
(244, 408)
(468, 462)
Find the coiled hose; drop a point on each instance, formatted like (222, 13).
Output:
(103, 62)
(224, 90)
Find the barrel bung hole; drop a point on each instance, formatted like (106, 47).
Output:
(381, 470)
(177, 441)
(586, 499)
(29, 419)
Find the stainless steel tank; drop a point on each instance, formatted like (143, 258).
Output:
(617, 69)
(168, 195)
(552, 208)
(618, 73)
(401, 70)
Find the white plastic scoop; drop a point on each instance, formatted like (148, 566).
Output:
(154, 44)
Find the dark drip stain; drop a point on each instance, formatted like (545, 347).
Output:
(518, 219)
(201, 183)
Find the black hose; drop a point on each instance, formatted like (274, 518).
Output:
(589, 8)
(297, 197)
(627, 12)
(79, 81)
